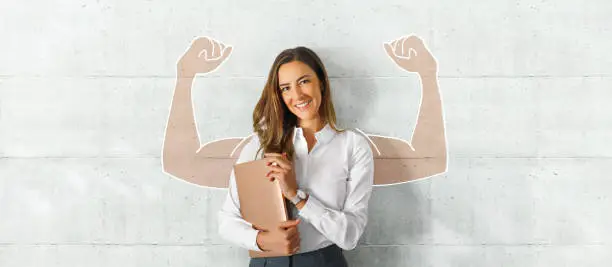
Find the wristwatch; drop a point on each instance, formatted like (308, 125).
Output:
(298, 197)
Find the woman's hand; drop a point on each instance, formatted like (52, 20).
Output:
(204, 55)
(281, 168)
(411, 54)
(284, 239)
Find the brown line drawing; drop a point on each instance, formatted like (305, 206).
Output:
(395, 160)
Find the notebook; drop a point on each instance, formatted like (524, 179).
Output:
(261, 201)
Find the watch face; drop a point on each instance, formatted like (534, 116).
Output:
(301, 194)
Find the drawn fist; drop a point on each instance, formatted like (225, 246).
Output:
(204, 56)
(411, 54)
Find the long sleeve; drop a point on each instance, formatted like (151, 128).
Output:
(345, 227)
(232, 227)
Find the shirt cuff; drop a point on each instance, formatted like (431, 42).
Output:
(253, 244)
(312, 210)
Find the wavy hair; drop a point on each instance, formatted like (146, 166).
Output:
(272, 120)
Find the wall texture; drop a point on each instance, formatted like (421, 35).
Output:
(85, 89)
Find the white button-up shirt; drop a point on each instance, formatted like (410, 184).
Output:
(337, 174)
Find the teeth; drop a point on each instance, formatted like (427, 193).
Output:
(301, 105)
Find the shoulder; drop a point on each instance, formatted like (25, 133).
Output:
(249, 148)
(357, 137)
(360, 153)
(357, 141)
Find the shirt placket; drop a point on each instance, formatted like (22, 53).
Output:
(301, 150)
(303, 158)
(307, 160)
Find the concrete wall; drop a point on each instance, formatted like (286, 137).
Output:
(85, 88)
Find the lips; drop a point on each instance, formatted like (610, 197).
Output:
(303, 105)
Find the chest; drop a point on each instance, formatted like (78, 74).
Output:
(323, 172)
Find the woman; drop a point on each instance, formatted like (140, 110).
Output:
(396, 160)
(325, 172)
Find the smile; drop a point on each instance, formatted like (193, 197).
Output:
(304, 105)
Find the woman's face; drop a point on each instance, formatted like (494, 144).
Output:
(301, 90)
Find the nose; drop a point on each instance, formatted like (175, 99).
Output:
(297, 93)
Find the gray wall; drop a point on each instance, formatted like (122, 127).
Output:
(85, 88)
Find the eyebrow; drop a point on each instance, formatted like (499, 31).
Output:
(302, 77)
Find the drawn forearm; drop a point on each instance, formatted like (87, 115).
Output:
(181, 140)
(429, 138)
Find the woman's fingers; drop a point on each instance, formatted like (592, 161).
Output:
(278, 155)
(276, 169)
(271, 175)
(273, 155)
(293, 235)
(288, 223)
(278, 162)
(292, 232)
(295, 244)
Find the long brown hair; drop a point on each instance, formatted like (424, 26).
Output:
(272, 120)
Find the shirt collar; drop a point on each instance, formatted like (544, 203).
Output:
(323, 136)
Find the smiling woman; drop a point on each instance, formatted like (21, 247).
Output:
(326, 172)
(296, 92)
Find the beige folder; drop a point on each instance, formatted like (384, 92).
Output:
(261, 201)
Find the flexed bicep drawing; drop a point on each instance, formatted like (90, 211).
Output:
(183, 155)
(396, 160)
(425, 155)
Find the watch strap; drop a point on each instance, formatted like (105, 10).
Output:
(298, 197)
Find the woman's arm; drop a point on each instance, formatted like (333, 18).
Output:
(183, 156)
(232, 227)
(345, 227)
(283, 239)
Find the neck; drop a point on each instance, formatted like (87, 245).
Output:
(311, 126)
